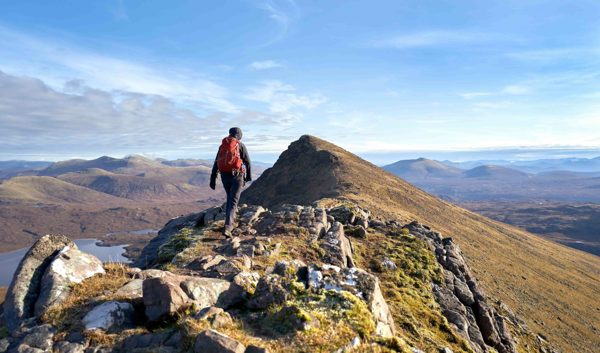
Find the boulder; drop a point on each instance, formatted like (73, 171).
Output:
(206, 292)
(365, 286)
(338, 249)
(211, 341)
(163, 297)
(24, 288)
(131, 290)
(216, 317)
(68, 267)
(109, 316)
(269, 291)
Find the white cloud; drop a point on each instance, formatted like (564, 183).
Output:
(516, 90)
(282, 99)
(437, 38)
(472, 95)
(264, 65)
(283, 12)
(34, 56)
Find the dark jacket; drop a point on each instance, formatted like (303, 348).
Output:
(245, 159)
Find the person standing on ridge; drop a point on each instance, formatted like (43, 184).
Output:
(233, 163)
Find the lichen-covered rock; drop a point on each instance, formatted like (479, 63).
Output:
(269, 291)
(37, 338)
(109, 316)
(365, 286)
(338, 249)
(211, 341)
(206, 292)
(24, 288)
(462, 301)
(149, 256)
(131, 290)
(68, 267)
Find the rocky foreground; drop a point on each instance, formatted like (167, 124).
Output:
(320, 278)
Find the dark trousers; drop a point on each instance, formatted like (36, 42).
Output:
(233, 184)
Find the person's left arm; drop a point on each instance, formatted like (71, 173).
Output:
(246, 159)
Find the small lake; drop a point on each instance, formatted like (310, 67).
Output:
(10, 260)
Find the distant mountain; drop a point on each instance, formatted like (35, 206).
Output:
(187, 163)
(129, 165)
(581, 165)
(422, 168)
(495, 172)
(9, 169)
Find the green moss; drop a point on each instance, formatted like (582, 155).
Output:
(407, 289)
(176, 243)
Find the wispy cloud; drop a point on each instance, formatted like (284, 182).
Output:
(264, 65)
(283, 12)
(472, 95)
(435, 38)
(36, 55)
(551, 55)
(283, 100)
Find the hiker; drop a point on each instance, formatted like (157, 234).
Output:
(233, 163)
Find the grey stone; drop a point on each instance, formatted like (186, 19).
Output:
(337, 247)
(24, 287)
(68, 347)
(109, 316)
(206, 292)
(68, 267)
(211, 341)
(269, 291)
(39, 337)
(365, 286)
(131, 290)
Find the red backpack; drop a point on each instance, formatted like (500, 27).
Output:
(228, 158)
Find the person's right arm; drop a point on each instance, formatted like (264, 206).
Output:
(213, 174)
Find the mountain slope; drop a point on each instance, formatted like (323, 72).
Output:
(556, 289)
(42, 189)
(422, 168)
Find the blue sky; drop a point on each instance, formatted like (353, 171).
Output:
(380, 78)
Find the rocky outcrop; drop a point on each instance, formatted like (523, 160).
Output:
(69, 266)
(360, 283)
(462, 301)
(43, 277)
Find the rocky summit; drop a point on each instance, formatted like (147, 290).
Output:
(312, 267)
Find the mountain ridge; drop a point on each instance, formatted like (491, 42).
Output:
(517, 270)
